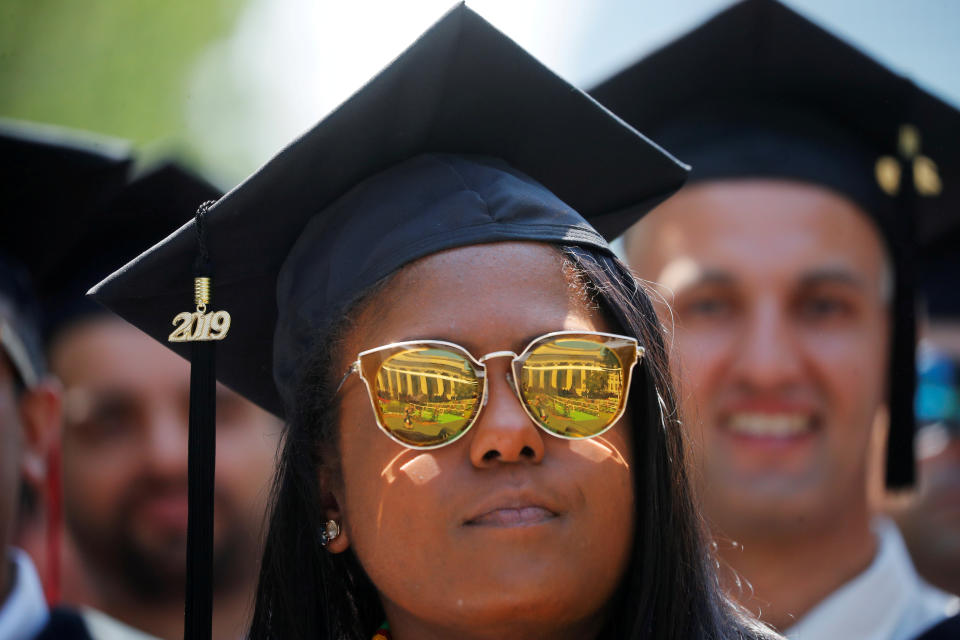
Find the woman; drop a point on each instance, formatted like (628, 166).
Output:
(549, 537)
(482, 440)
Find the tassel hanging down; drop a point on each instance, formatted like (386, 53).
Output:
(202, 329)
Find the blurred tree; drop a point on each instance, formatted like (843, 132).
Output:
(119, 68)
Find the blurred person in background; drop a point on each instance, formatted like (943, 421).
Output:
(930, 520)
(29, 419)
(786, 269)
(124, 442)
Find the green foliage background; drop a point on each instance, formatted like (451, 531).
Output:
(118, 67)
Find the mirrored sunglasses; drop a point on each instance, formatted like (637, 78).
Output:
(428, 393)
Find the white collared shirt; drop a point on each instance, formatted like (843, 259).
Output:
(888, 601)
(24, 613)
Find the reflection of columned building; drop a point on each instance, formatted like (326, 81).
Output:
(557, 371)
(429, 373)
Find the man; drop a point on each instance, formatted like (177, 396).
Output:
(29, 418)
(124, 446)
(125, 440)
(785, 266)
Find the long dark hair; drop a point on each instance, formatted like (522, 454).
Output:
(670, 590)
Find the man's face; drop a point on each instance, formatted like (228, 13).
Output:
(125, 461)
(779, 293)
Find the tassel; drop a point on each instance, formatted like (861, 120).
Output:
(201, 328)
(901, 456)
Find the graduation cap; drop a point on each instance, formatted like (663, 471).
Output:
(760, 91)
(53, 180)
(147, 209)
(463, 139)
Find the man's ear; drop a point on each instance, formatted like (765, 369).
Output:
(40, 413)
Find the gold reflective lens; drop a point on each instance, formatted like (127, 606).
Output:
(426, 396)
(572, 385)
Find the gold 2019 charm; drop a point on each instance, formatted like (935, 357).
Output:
(200, 325)
(191, 327)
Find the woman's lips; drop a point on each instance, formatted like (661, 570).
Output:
(514, 507)
(513, 517)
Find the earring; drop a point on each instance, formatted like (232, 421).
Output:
(330, 531)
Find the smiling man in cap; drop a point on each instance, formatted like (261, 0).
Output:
(786, 266)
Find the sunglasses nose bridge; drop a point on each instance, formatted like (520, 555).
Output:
(489, 356)
(497, 354)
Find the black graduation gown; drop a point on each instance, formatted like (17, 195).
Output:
(949, 629)
(65, 624)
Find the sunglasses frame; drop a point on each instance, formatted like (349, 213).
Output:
(368, 364)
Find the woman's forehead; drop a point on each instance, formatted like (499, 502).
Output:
(492, 292)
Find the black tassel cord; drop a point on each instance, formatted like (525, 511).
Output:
(201, 466)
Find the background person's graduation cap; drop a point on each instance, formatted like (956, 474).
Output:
(146, 209)
(372, 187)
(53, 181)
(760, 91)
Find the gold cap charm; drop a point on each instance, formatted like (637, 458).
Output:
(200, 325)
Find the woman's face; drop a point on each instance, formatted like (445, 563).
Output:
(507, 531)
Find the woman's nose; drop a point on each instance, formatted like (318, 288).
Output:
(504, 433)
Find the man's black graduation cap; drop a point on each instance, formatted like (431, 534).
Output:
(53, 180)
(73, 212)
(147, 209)
(760, 91)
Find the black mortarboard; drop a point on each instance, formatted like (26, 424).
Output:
(760, 91)
(147, 209)
(462, 88)
(53, 181)
(463, 139)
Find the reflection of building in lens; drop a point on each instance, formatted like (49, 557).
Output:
(429, 374)
(567, 368)
(573, 387)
